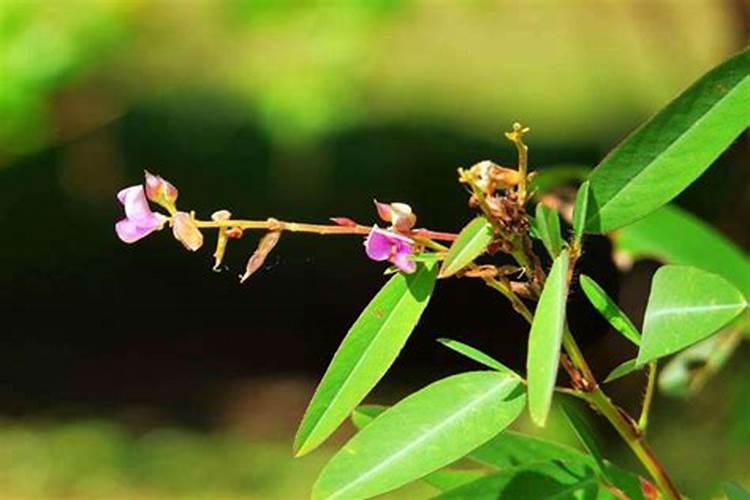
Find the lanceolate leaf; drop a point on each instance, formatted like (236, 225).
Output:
(513, 449)
(579, 213)
(472, 241)
(609, 309)
(675, 236)
(477, 355)
(686, 305)
(365, 354)
(541, 481)
(547, 227)
(422, 433)
(545, 338)
(672, 149)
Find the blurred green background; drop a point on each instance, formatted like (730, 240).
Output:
(135, 372)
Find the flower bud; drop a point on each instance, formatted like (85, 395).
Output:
(161, 191)
(400, 215)
(186, 231)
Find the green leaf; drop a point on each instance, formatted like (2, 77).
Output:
(472, 241)
(579, 212)
(686, 373)
(422, 433)
(686, 305)
(582, 429)
(366, 353)
(734, 491)
(443, 479)
(609, 309)
(511, 449)
(623, 369)
(547, 228)
(675, 236)
(477, 355)
(671, 150)
(550, 480)
(545, 338)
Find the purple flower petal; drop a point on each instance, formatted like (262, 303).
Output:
(130, 231)
(135, 202)
(385, 245)
(378, 244)
(140, 221)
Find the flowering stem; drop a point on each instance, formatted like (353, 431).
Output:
(322, 229)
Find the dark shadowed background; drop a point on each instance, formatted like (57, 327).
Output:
(136, 371)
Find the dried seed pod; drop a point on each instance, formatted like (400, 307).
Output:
(256, 260)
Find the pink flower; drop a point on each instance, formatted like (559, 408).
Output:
(383, 245)
(139, 220)
(400, 215)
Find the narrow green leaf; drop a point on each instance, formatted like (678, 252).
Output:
(477, 355)
(545, 338)
(685, 306)
(623, 369)
(734, 491)
(675, 236)
(507, 449)
(472, 241)
(443, 479)
(671, 150)
(366, 353)
(541, 481)
(511, 449)
(422, 433)
(609, 309)
(582, 429)
(579, 212)
(547, 227)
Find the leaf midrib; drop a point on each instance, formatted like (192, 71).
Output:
(424, 437)
(673, 144)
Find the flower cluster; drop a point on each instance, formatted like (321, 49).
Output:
(140, 220)
(393, 244)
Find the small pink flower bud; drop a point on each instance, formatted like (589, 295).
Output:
(186, 232)
(161, 191)
(400, 215)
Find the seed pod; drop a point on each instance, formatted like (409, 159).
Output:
(256, 260)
